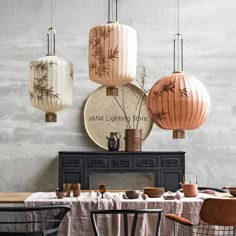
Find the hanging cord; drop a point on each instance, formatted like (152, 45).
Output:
(178, 46)
(110, 10)
(51, 35)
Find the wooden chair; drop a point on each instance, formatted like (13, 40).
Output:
(31, 221)
(217, 217)
(125, 213)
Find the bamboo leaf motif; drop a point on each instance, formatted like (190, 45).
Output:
(184, 92)
(31, 95)
(165, 88)
(40, 83)
(99, 58)
(168, 87)
(93, 65)
(40, 97)
(160, 115)
(71, 73)
(113, 54)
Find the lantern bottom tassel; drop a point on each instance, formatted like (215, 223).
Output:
(50, 117)
(178, 134)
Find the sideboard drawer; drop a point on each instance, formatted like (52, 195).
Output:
(97, 162)
(72, 162)
(146, 162)
(122, 163)
(171, 162)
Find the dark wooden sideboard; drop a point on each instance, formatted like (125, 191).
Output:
(168, 168)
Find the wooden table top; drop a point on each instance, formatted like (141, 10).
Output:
(9, 197)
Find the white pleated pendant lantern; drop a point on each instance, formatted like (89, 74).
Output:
(50, 82)
(112, 54)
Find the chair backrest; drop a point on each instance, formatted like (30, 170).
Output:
(219, 211)
(32, 221)
(208, 188)
(220, 190)
(125, 213)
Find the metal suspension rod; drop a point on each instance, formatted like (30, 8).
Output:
(51, 13)
(178, 18)
(51, 36)
(116, 10)
(178, 46)
(110, 11)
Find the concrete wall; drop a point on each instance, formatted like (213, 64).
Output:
(29, 146)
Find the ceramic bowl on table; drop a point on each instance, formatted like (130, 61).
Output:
(154, 191)
(60, 193)
(132, 194)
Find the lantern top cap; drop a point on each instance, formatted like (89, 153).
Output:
(175, 72)
(51, 58)
(112, 22)
(116, 24)
(51, 29)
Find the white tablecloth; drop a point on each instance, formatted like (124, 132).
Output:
(78, 223)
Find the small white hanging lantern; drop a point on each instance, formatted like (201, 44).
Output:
(112, 54)
(50, 81)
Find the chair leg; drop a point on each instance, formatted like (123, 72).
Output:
(134, 224)
(125, 225)
(158, 223)
(95, 229)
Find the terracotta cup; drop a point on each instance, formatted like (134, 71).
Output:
(68, 186)
(190, 190)
(76, 189)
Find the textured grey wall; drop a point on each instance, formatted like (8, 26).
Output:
(29, 146)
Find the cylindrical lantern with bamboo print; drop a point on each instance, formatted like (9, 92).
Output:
(50, 81)
(50, 85)
(112, 54)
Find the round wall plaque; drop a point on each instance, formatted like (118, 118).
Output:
(103, 114)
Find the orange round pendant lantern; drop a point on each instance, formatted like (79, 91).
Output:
(112, 54)
(178, 101)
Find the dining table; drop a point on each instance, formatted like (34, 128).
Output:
(78, 222)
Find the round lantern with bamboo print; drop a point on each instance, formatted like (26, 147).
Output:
(50, 81)
(178, 101)
(112, 55)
